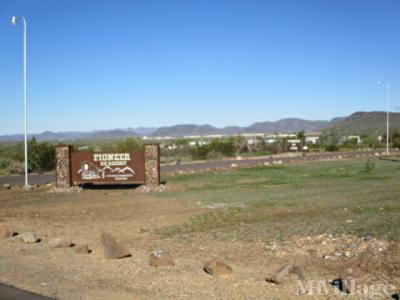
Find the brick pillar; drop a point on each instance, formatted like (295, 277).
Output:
(63, 166)
(152, 164)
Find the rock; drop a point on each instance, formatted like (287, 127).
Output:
(112, 249)
(66, 190)
(363, 246)
(347, 254)
(6, 187)
(82, 249)
(353, 279)
(161, 258)
(59, 243)
(352, 246)
(147, 188)
(29, 238)
(217, 268)
(286, 273)
(5, 231)
(367, 238)
(234, 166)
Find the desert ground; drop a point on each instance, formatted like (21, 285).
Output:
(323, 217)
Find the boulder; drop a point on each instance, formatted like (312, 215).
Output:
(286, 273)
(59, 243)
(161, 258)
(5, 231)
(112, 249)
(217, 267)
(82, 249)
(29, 237)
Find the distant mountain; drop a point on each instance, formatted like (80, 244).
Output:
(287, 125)
(77, 135)
(365, 123)
(357, 123)
(282, 126)
(182, 130)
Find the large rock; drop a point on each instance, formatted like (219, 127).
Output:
(29, 237)
(5, 231)
(217, 267)
(59, 243)
(286, 273)
(161, 258)
(112, 249)
(82, 249)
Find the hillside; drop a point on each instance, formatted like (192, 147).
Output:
(283, 126)
(357, 123)
(371, 123)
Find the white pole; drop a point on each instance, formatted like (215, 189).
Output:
(14, 22)
(26, 110)
(387, 117)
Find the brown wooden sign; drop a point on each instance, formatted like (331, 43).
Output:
(109, 168)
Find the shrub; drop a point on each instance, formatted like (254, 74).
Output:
(331, 148)
(369, 165)
(41, 156)
(129, 144)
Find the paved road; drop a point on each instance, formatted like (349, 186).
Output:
(11, 293)
(197, 166)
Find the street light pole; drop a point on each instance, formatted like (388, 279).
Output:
(14, 20)
(387, 87)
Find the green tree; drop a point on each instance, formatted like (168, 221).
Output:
(41, 155)
(331, 139)
(129, 144)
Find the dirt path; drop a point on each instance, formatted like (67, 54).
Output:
(132, 219)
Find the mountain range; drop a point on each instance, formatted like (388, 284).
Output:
(357, 123)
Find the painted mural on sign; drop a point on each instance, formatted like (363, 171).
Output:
(107, 166)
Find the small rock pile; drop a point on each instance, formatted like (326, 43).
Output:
(328, 246)
(66, 190)
(147, 189)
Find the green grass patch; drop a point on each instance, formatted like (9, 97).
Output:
(281, 201)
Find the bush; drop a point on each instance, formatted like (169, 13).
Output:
(129, 144)
(41, 157)
(216, 147)
(200, 152)
(331, 148)
(4, 163)
(369, 165)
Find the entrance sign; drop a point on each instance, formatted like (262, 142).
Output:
(73, 168)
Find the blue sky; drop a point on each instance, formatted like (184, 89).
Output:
(100, 64)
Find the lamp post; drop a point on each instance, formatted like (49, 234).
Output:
(387, 87)
(14, 20)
